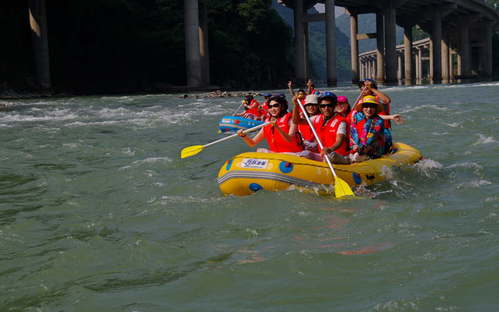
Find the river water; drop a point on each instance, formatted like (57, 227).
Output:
(99, 213)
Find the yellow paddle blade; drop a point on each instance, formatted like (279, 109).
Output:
(341, 188)
(191, 151)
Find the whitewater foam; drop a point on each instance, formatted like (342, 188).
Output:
(484, 140)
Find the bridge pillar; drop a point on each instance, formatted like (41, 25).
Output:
(331, 43)
(419, 65)
(445, 55)
(486, 53)
(452, 54)
(390, 43)
(354, 46)
(370, 68)
(465, 46)
(203, 44)
(435, 53)
(38, 24)
(408, 65)
(308, 70)
(192, 44)
(380, 49)
(300, 54)
(400, 74)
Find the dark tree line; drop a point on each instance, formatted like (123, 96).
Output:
(138, 45)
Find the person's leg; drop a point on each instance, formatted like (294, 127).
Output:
(338, 159)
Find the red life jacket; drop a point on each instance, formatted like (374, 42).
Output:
(264, 109)
(277, 143)
(302, 101)
(305, 131)
(327, 132)
(254, 108)
(386, 111)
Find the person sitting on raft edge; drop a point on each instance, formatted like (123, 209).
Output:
(369, 138)
(280, 134)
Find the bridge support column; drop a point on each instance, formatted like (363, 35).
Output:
(419, 66)
(368, 68)
(445, 57)
(300, 54)
(354, 46)
(192, 44)
(465, 47)
(203, 44)
(380, 49)
(390, 43)
(486, 54)
(331, 43)
(361, 69)
(400, 75)
(38, 24)
(452, 76)
(435, 53)
(408, 65)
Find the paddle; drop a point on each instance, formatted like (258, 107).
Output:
(196, 149)
(341, 188)
(237, 109)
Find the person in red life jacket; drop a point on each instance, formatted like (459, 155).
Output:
(251, 108)
(343, 108)
(369, 87)
(300, 94)
(369, 137)
(264, 108)
(332, 130)
(311, 88)
(281, 134)
(312, 109)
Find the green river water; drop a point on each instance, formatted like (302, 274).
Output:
(99, 213)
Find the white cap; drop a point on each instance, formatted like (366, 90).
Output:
(311, 99)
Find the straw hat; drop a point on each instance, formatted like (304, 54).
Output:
(369, 99)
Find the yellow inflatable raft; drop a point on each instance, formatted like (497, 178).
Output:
(247, 173)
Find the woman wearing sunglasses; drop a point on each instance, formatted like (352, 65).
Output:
(332, 129)
(281, 134)
(369, 137)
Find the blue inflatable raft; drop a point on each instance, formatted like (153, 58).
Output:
(234, 123)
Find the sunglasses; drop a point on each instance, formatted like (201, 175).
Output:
(274, 105)
(369, 105)
(326, 105)
(311, 104)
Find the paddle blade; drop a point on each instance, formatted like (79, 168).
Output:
(191, 151)
(341, 188)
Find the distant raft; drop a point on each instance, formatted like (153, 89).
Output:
(247, 173)
(234, 123)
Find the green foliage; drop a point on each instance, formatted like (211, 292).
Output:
(138, 45)
(249, 45)
(418, 34)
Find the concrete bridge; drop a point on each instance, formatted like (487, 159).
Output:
(453, 25)
(460, 28)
